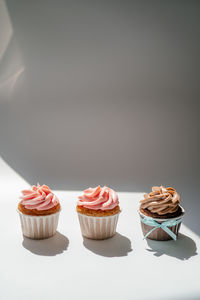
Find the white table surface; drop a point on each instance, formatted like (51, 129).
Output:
(67, 266)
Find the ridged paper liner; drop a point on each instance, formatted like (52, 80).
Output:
(98, 228)
(159, 234)
(39, 227)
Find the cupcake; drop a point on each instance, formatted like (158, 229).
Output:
(161, 214)
(39, 211)
(98, 211)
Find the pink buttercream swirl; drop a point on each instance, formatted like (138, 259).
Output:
(39, 197)
(103, 198)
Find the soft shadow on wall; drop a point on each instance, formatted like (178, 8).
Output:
(109, 94)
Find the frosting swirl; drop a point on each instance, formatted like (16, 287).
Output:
(103, 198)
(38, 197)
(161, 200)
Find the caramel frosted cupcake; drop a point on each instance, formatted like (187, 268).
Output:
(39, 211)
(161, 213)
(98, 211)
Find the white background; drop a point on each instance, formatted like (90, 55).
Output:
(67, 266)
(100, 92)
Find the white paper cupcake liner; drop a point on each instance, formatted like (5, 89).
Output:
(98, 228)
(39, 227)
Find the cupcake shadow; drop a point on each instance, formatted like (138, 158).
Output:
(116, 246)
(183, 248)
(52, 246)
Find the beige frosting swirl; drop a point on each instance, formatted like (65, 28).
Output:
(161, 200)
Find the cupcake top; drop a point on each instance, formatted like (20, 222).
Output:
(161, 200)
(99, 198)
(39, 198)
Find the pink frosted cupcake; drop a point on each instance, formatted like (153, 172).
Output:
(39, 211)
(98, 211)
